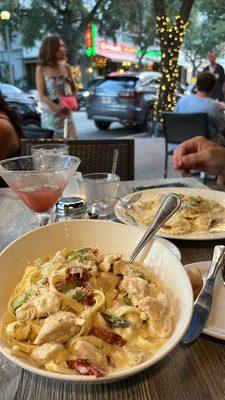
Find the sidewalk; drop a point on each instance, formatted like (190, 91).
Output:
(149, 159)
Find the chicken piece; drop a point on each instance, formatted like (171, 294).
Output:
(121, 267)
(137, 288)
(157, 311)
(43, 305)
(108, 261)
(87, 351)
(47, 303)
(58, 328)
(134, 320)
(134, 355)
(25, 313)
(46, 352)
(108, 280)
(162, 328)
(154, 307)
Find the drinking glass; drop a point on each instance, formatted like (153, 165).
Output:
(73, 188)
(39, 181)
(100, 190)
(50, 148)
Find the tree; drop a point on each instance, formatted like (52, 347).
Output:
(171, 29)
(67, 18)
(142, 24)
(135, 17)
(206, 32)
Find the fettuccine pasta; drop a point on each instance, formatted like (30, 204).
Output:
(82, 312)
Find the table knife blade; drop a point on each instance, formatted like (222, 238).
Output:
(200, 313)
(202, 305)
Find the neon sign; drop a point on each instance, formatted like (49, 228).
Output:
(90, 39)
(110, 49)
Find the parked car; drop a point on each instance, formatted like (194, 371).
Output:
(23, 103)
(83, 94)
(126, 98)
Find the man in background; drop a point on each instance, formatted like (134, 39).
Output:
(201, 102)
(218, 71)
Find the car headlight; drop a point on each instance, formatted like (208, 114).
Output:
(86, 94)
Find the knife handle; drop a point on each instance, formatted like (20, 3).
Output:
(217, 261)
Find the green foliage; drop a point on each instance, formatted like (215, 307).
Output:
(206, 31)
(37, 19)
(135, 17)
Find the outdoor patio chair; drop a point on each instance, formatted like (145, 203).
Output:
(179, 127)
(95, 155)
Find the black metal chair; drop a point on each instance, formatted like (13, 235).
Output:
(179, 127)
(95, 155)
(37, 133)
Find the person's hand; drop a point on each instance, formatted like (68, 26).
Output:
(63, 110)
(201, 154)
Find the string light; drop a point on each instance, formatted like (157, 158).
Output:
(172, 33)
(77, 75)
(100, 62)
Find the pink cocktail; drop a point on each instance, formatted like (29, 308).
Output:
(39, 180)
(40, 199)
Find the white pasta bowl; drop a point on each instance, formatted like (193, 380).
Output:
(108, 236)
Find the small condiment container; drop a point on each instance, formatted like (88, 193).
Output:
(70, 208)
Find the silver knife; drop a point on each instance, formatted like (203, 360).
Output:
(203, 302)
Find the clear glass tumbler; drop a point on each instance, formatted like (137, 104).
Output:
(50, 148)
(100, 190)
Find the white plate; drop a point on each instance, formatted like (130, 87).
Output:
(215, 325)
(171, 247)
(205, 193)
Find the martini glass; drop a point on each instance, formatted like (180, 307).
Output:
(39, 180)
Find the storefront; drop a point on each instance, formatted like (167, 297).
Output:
(107, 56)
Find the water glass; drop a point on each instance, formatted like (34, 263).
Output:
(50, 148)
(100, 190)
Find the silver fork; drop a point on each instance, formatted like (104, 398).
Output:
(133, 199)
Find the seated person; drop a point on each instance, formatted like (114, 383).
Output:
(10, 131)
(201, 154)
(200, 102)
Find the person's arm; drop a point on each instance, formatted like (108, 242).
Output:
(40, 84)
(199, 153)
(9, 140)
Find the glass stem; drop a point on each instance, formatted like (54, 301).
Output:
(42, 218)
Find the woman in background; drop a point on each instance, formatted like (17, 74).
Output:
(10, 131)
(54, 81)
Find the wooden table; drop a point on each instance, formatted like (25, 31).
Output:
(194, 372)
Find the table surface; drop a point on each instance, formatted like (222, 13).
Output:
(194, 372)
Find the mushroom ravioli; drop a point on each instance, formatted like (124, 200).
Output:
(196, 215)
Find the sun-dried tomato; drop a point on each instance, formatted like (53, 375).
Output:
(107, 335)
(110, 361)
(72, 279)
(84, 367)
(95, 251)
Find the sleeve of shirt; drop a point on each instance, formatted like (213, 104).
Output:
(220, 118)
(177, 107)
